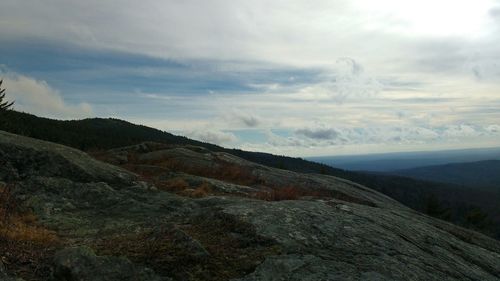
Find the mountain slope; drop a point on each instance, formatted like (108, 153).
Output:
(472, 174)
(112, 225)
(446, 201)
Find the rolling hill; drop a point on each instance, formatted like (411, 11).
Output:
(451, 202)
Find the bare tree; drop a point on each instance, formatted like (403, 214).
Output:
(4, 105)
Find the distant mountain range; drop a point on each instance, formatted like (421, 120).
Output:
(386, 162)
(472, 174)
(442, 200)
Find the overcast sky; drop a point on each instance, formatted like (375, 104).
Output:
(298, 78)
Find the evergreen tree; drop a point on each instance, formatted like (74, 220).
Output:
(4, 105)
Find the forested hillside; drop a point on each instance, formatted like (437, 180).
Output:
(480, 174)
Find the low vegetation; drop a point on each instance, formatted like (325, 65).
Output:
(25, 247)
(215, 247)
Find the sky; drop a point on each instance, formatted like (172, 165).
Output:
(297, 78)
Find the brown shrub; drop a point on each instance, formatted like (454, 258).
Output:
(203, 190)
(173, 185)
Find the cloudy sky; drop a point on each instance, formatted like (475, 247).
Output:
(299, 78)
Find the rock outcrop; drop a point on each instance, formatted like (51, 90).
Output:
(114, 223)
(82, 264)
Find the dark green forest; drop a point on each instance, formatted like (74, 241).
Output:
(473, 208)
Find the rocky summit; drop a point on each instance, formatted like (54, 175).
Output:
(167, 212)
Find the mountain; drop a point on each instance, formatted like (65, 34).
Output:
(386, 162)
(476, 209)
(158, 211)
(474, 174)
(97, 134)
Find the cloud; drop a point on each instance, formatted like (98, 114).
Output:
(463, 130)
(320, 133)
(343, 81)
(250, 121)
(340, 136)
(215, 137)
(350, 80)
(495, 13)
(377, 72)
(494, 129)
(37, 97)
(292, 32)
(241, 118)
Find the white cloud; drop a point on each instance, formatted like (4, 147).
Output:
(463, 130)
(330, 138)
(493, 129)
(37, 97)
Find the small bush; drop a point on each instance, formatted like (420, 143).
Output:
(203, 190)
(173, 185)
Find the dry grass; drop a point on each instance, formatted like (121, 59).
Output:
(25, 247)
(203, 190)
(17, 226)
(176, 184)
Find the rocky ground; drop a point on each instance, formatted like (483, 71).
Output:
(159, 212)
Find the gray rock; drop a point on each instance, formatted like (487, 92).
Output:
(81, 264)
(4, 276)
(357, 234)
(323, 241)
(26, 157)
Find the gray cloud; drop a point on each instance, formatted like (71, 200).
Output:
(322, 134)
(249, 121)
(495, 13)
(239, 118)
